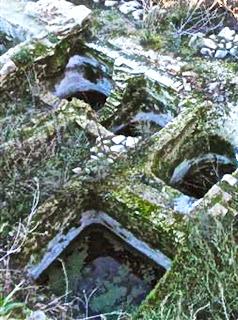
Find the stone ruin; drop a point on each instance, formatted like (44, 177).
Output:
(121, 146)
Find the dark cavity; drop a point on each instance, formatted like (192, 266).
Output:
(196, 176)
(143, 123)
(86, 79)
(102, 268)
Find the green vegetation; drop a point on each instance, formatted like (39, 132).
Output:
(151, 40)
(111, 23)
(50, 166)
(9, 307)
(202, 283)
(23, 56)
(43, 138)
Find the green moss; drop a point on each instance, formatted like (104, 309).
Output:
(185, 50)
(110, 23)
(47, 148)
(156, 225)
(203, 276)
(23, 57)
(53, 38)
(233, 66)
(40, 50)
(133, 201)
(60, 57)
(26, 55)
(151, 40)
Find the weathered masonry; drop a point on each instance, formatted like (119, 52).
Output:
(121, 153)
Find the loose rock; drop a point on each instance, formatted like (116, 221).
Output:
(221, 54)
(206, 52)
(227, 34)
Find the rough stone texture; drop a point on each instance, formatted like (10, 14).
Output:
(125, 176)
(220, 46)
(129, 6)
(60, 19)
(36, 19)
(37, 315)
(221, 54)
(230, 179)
(57, 16)
(209, 43)
(206, 52)
(227, 34)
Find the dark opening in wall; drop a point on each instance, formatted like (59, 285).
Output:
(103, 267)
(195, 177)
(198, 165)
(143, 109)
(143, 124)
(86, 79)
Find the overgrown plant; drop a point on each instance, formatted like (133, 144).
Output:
(203, 281)
(179, 18)
(8, 287)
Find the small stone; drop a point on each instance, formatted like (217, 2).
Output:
(7, 68)
(37, 315)
(174, 69)
(209, 43)
(221, 45)
(234, 52)
(235, 79)
(118, 139)
(196, 40)
(77, 170)
(186, 85)
(235, 40)
(164, 80)
(94, 150)
(213, 86)
(189, 74)
(105, 148)
(221, 54)
(101, 155)
(2, 48)
(229, 45)
(110, 160)
(131, 142)
(128, 7)
(110, 3)
(227, 34)
(218, 210)
(220, 98)
(100, 141)
(217, 191)
(232, 181)
(138, 14)
(118, 148)
(226, 196)
(213, 37)
(214, 191)
(206, 52)
(94, 157)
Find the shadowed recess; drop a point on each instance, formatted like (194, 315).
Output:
(196, 176)
(196, 165)
(99, 267)
(86, 79)
(142, 123)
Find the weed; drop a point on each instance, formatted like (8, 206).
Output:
(202, 282)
